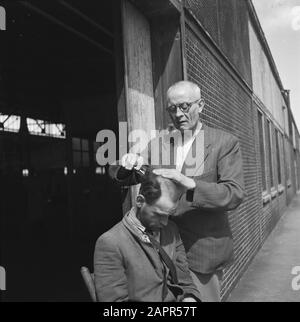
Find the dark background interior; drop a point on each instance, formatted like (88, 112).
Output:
(51, 218)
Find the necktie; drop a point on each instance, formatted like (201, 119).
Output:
(165, 257)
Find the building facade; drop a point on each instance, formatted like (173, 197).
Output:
(224, 51)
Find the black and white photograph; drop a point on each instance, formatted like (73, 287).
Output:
(149, 152)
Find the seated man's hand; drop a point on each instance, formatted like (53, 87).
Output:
(131, 160)
(173, 174)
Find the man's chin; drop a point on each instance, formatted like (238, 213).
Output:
(183, 128)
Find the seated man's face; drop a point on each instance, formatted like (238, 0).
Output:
(154, 216)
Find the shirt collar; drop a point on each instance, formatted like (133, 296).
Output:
(136, 225)
(135, 221)
(198, 129)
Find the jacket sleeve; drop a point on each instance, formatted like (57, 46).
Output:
(124, 177)
(228, 192)
(121, 176)
(110, 279)
(183, 271)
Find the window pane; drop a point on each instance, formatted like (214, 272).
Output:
(36, 127)
(269, 149)
(77, 159)
(262, 150)
(278, 156)
(76, 144)
(85, 145)
(85, 159)
(10, 123)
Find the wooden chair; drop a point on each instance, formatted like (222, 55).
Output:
(88, 279)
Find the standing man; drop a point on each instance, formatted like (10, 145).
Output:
(208, 166)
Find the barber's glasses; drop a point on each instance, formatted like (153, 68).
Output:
(184, 107)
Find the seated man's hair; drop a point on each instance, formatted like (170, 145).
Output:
(151, 187)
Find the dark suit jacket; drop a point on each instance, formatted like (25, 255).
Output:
(129, 269)
(202, 214)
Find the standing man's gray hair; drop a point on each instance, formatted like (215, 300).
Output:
(191, 87)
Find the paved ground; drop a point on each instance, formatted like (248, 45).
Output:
(269, 277)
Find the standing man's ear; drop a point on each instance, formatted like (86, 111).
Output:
(140, 200)
(201, 104)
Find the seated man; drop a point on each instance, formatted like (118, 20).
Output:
(129, 264)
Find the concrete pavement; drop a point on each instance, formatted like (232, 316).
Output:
(269, 277)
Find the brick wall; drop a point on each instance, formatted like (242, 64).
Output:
(230, 105)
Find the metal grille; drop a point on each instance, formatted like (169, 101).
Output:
(234, 36)
(227, 22)
(206, 11)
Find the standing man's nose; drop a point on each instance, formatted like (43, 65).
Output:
(179, 112)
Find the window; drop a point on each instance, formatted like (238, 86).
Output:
(262, 150)
(80, 153)
(287, 161)
(10, 123)
(278, 149)
(290, 125)
(294, 136)
(44, 128)
(285, 118)
(268, 132)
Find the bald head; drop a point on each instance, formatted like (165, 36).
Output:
(154, 187)
(169, 189)
(157, 200)
(184, 89)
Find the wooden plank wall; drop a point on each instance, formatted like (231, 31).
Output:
(138, 71)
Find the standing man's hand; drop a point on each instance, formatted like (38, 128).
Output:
(131, 160)
(173, 174)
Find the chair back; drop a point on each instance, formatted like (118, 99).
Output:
(88, 279)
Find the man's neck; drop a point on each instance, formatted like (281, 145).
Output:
(136, 212)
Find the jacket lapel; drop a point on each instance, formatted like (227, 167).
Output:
(168, 153)
(207, 144)
(199, 152)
